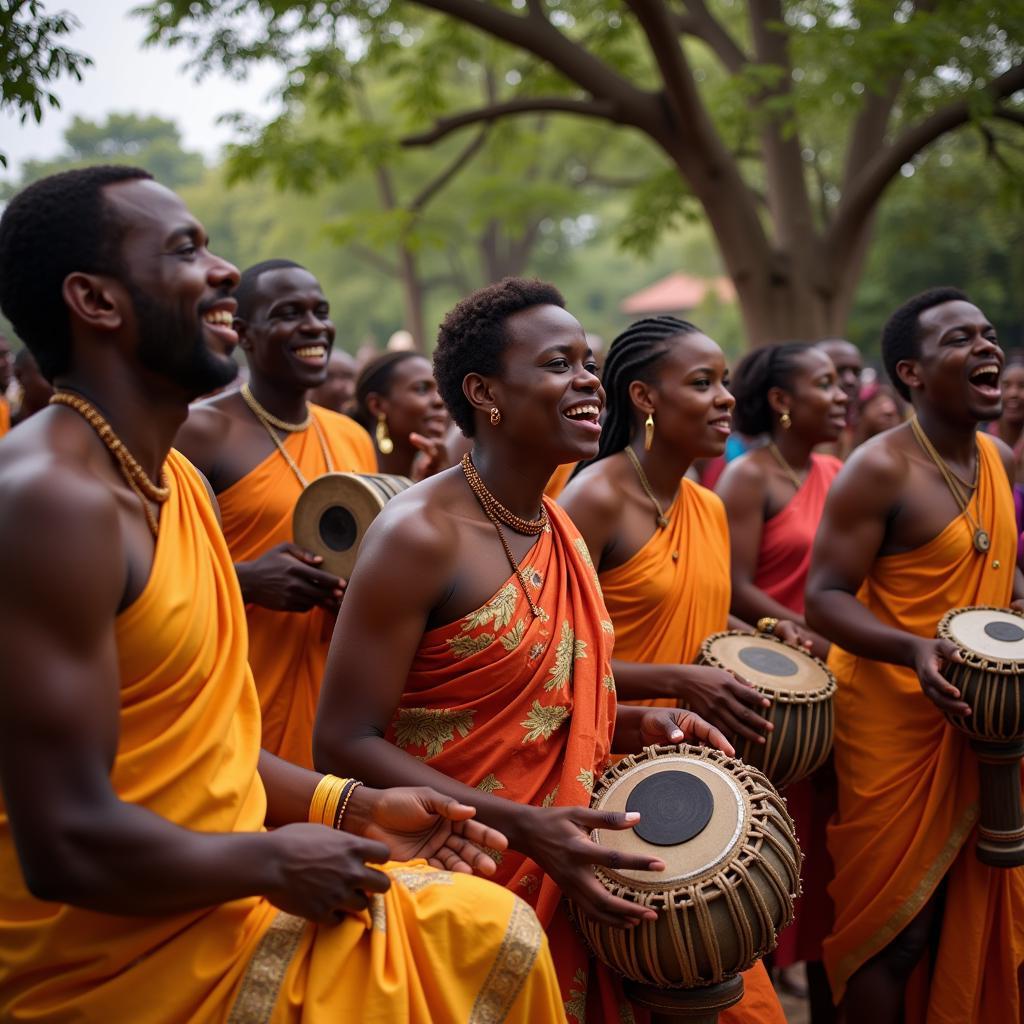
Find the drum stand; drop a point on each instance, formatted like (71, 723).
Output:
(1001, 826)
(695, 1005)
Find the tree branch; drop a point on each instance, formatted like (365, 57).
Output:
(702, 24)
(527, 105)
(375, 260)
(441, 180)
(860, 197)
(1006, 114)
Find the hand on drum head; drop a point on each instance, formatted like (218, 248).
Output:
(287, 579)
(558, 839)
(726, 700)
(674, 725)
(794, 634)
(928, 658)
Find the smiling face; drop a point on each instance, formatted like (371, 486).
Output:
(816, 400)
(288, 336)
(412, 403)
(548, 392)
(689, 397)
(959, 363)
(179, 292)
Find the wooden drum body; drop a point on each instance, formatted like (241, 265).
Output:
(733, 872)
(991, 683)
(334, 512)
(801, 689)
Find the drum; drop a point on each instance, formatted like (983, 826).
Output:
(334, 512)
(801, 689)
(991, 683)
(732, 874)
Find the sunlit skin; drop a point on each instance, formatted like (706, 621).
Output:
(432, 557)
(890, 498)
(755, 487)
(66, 504)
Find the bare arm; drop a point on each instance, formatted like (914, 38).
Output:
(849, 539)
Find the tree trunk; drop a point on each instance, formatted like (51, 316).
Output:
(413, 296)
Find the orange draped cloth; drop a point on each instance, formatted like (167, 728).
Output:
(5, 417)
(663, 608)
(288, 650)
(558, 480)
(782, 563)
(433, 948)
(908, 782)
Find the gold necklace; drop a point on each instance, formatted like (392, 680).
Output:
(264, 414)
(268, 426)
(786, 467)
(488, 502)
(661, 518)
(981, 540)
(135, 476)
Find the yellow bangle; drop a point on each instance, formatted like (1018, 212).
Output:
(325, 797)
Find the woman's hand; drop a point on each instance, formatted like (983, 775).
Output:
(725, 699)
(431, 458)
(676, 725)
(422, 823)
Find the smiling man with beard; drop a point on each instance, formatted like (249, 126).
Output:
(895, 551)
(137, 881)
(259, 447)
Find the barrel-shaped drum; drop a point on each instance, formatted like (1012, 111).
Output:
(801, 689)
(991, 683)
(334, 512)
(733, 867)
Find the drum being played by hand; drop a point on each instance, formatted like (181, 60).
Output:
(334, 512)
(732, 869)
(801, 689)
(991, 683)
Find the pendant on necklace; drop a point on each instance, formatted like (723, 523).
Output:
(675, 556)
(982, 541)
(662, 522)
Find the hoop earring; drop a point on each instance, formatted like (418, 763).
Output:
(384, 443)
(495, 416)
(649, 432)
(785, 420)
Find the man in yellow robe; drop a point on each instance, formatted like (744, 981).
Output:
(259, 447)
(896, 550)
(136, 879)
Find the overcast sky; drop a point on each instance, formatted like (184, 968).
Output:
(126, 78)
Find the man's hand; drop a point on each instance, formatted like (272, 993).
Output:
(928, 658)
(286, 579)
(725, 699)
(558, 839)
(431, 458)
(674, 725)
(795, 635)
(420, 822)
(322, 873)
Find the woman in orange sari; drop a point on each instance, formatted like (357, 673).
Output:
(774, 497)
(473, 648)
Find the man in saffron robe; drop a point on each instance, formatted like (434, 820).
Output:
(136, 879)
(258, 469)
(894, 553)
(444, 667)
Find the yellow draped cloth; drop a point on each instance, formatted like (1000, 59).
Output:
(288, 650)
(436, 947)
(663, 608)
(908, 782)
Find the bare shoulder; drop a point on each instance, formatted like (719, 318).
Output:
(743, 475)
(875, 475)
(594, 492)
(209, 423)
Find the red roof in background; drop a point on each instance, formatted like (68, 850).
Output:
(677, 292)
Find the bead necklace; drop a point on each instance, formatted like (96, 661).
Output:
(786, 467)
(270, 422)
(498, 514)
(981, 540)
(661, 518)
(135, 476)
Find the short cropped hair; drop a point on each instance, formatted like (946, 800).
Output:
(772, 366)
(57, 226)
(472, 338)
(245, 293)
(901, 334)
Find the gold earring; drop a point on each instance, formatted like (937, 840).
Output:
(384, 443)
(649, 432)
(495, 415)
(785, 420)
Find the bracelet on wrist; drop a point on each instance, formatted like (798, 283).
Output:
(330, 799)
(351, 785)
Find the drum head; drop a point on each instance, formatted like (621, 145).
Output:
(992, 633)
(769, 664)
(693, 814)
(333, 514)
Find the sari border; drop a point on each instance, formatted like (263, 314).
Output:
(512, 966)
(904, 914)
(261, 983)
